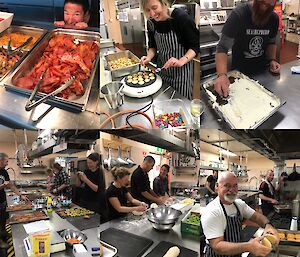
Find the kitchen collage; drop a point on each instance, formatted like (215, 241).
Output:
(149, 128)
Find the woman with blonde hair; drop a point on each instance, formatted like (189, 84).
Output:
(118, 196)
(173, 36)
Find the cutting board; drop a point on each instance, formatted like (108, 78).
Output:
(127, 244)
(164, 246)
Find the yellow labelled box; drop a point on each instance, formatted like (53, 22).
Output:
(41, 244)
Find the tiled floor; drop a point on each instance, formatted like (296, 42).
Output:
(288, 52)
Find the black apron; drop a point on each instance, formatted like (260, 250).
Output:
(180, 78)
(232, 232)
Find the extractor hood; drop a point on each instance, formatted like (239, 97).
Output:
(66, 142)
(170, 140)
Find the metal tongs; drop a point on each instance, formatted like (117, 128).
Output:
(9, 51)
(32, 104)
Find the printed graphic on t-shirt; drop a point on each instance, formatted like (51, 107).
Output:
(255, 48)
(256, 42)
(2, 179)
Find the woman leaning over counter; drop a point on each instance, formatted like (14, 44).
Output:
(118, 196)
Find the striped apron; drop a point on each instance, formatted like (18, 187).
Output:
(232, 232)
(180, 78)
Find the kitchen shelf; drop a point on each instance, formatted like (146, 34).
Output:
(212, 168)
(181, 167)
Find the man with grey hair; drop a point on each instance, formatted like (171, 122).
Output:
(5, 183)
(222, 222)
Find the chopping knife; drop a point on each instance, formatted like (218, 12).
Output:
(30, 105)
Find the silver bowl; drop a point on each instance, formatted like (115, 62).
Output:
(162, 227)
(163, 217)
(70, 233)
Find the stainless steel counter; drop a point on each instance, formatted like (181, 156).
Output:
(143, 228)
(13, 114)
(137, 103)
(285, 85)
(139, 226)
(56, 223)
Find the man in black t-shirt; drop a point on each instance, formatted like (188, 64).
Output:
(211, 183)
(140, 184)
(250, 31)
(5, 183)
(267, 194)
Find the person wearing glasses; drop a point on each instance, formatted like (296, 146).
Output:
(250, 31)
(222, 222)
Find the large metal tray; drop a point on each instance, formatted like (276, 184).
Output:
(283, 209)
(116, 73)
(74, 103)
(108, 250)
(30, 31)
(217, 107)
(286, 241)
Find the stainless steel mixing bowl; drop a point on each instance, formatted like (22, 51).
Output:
(163, 217)
(70, 233)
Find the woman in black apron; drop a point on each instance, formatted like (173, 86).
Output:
(173, 36)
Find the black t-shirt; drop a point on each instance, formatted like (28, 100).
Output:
(184, 27)
(140, 183)
(265, 190)
(212, 182)
(96, 178)
(3, 177)
(120, 193)
(250, 41)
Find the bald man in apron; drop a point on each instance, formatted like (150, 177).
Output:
(222, 222)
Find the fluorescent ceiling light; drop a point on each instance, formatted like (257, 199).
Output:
(226, 152)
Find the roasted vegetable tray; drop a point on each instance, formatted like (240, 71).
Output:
(249, 103)
(32, 64)
(18, 35)
(16, 218)
(74, 212)
(289, 237)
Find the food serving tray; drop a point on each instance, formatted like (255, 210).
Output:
(288, 241)
(249, 104)
(108, 250)
(283, 208)
(120, 72)
(18, 207)
(37, 33)
(73, 103)
(16, 218)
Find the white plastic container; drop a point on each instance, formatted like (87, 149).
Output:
(171, 106)
(4, 24)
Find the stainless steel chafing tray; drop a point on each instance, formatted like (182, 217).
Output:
(126, 70)
(30, 31)
(74, 103)
(209, 85)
